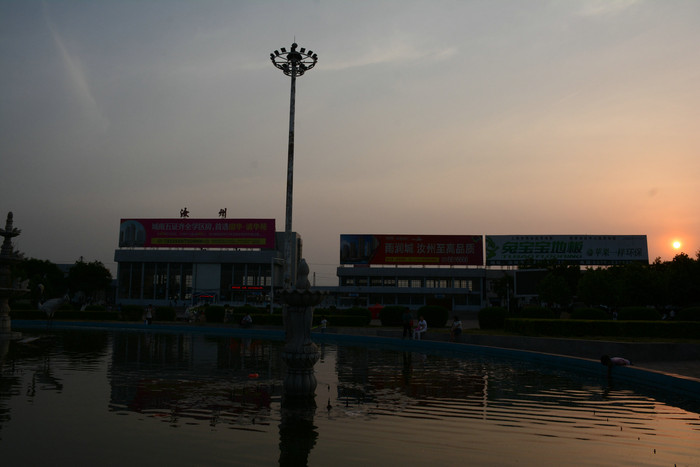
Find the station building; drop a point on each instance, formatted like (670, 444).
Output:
(180, 262)
(463, 272)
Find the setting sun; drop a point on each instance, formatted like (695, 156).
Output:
(676, 244)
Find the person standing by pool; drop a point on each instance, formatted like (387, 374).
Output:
(456, 329)
(324, 324)
(149, 314)
(610, 362)
(247, 321)
(407, 321)
(607, 360)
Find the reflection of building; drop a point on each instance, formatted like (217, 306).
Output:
(367, 374)
(238, 265)
(194, 377)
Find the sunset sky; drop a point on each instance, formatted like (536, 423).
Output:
(421, 117)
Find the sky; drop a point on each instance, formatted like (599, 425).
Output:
(488, 117)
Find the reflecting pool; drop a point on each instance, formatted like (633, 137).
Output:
(109, 397)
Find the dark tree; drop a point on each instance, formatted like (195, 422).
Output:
(634, 284)
(92, 279)
(554, 289)
(505, 288)
(684, 280)
(559, 285)
(596, 288)
(46, 280)
(660, 284)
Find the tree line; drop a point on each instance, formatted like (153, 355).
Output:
(84, 282)
(671, 284)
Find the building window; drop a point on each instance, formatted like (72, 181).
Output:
(375, 282)
(226, 281)
(345, 281)
(404, 299)
(436, 283)
(160, 281)
(383, 299)
(253, 275)
(239, 274)
(149, 271)
(463, 284)
(403, 283)
(265, 275)
(416, 283)
(175, 282)
(187, 280)
(125, 272)
(389, 282)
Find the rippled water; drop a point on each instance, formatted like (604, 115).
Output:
(120, 398)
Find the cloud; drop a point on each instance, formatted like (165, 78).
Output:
(605, 7)
(395, 52)
(76, 75)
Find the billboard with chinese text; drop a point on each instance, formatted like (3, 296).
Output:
(514, 250)
(437, 250)
(197, 233)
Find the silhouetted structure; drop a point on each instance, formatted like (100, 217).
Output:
(293, 63)
(8, 289)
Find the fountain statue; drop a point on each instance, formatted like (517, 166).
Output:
(8, 289)
(300, 353)
(297, 431)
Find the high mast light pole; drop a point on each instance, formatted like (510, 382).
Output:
(293, 63)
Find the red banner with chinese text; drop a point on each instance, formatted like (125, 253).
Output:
(197, 233)
(438, 250)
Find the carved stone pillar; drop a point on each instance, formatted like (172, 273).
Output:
(300, 353)
(7, 289)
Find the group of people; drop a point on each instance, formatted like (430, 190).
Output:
(415, 332)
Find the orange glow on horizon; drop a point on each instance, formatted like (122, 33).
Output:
(669, 245)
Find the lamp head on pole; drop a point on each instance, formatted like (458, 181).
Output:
(296, 62)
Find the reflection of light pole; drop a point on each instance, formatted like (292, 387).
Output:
(293, 63)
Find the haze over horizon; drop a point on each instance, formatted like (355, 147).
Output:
(441, 117)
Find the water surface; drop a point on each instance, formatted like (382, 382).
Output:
(80, 397)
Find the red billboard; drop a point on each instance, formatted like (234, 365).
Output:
(437, 250)
(197, 233)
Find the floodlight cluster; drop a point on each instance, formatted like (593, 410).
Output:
(294, 62)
